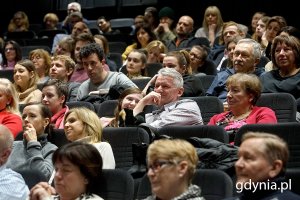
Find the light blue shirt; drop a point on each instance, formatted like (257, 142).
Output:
(12, 185)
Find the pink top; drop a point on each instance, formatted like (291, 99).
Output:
(258, 115)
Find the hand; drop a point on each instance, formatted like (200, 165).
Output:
(151, 82)
(153, 98)
(212, 27)
(41, 191)
(30, 133)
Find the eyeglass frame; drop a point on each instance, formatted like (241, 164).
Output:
(157, 165)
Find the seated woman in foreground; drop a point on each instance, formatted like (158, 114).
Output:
(243, 93)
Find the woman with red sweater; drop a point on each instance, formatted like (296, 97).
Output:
(9, 107)
(243, 92)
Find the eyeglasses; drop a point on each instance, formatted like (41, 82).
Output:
(8, 49)
(158, 164)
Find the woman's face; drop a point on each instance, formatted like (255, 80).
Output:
(134, 63)
(230, 50)
(32, 115)
(285, 57)
(4, 99)
(10, 52)
(51, 99)
(74, 127)
(38, 61)
(131, 100)
(66, 173)
(260, 28)
(272, 30)
(154, 55)
(22, 76)
(196, 58)
(164, 176)
(237, 97)
(172, 62)
(143, 37)
(211, 19)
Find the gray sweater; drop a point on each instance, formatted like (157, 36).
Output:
(35, 155)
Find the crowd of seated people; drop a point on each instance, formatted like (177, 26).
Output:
(80, 69)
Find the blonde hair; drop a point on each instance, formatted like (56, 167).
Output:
(174, 150)
(43, 54)
(7, 87)
(91, 123)
(157, 43)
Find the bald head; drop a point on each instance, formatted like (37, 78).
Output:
(184, 26)
(6, 142)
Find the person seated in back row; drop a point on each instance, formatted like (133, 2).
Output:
(262, 161)
(166, 95)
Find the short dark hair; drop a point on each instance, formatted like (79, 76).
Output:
(92, 48)
(86, 157)
(61, 87)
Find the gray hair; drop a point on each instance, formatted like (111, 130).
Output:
(256, 46)
(171, 72)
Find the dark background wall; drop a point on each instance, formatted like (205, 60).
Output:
(237, 10)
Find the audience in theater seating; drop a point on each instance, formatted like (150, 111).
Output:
(136, 64)
(25, 82)
(156, 51)
(50, 21)
(243, 92)
(246, 56)
(9, 107)
(180, 61)
(171, 166)
(19, 22)
(184, 35)
(151, 17)
(12, 184)
(42, 62)
(105, 26)
(166, 95)
(262, 161)
(82, 124)
(12, 54)
(212, 24)
(62, 68)
(124, 110)
(78, 174)
(66, 47)
(54, 96)
(91, 57)
(34, 152)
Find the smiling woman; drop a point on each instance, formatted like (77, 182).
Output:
(82, 124)
(25, 81)
(243, 92)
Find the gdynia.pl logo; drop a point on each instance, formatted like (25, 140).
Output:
(267, 185)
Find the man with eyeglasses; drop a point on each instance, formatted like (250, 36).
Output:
(171, 167)
(172, 110)
(246, 56)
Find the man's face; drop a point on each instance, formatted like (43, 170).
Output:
(243, 58)
(184, 26)
(59, 71)
(165, 87)
(93, 67)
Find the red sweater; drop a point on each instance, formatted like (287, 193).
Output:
(12, 121)
(259, 115)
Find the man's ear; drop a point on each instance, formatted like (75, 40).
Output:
(180, 91)
(4, 156)
(277, 167)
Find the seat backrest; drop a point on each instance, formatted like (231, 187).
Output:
(50, 33)
(58, 137)
(209, 106)
(206, 80)
(20, 35)
(117, 47)
(152, 68)
(124, 25)
(107, 108)
(283, 104)
(214, 184)
(141, 82)
(32, 177)
(8, 74)
(289, 131)
(293, 175)
(75, 104)
(121, 140)
(116, 184)
(202, 131)
(117, 58)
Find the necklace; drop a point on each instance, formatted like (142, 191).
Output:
(242, 116)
